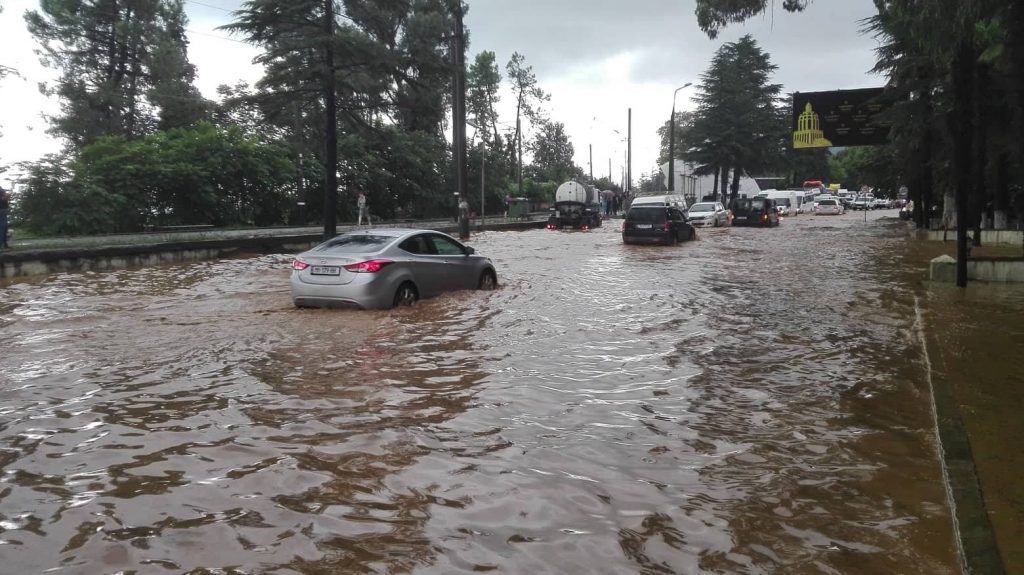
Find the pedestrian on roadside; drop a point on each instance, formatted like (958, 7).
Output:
(5, 205)
(364, 210)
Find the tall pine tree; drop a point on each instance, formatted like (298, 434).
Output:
(124, 67)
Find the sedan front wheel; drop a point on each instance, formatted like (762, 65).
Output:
(487, 281)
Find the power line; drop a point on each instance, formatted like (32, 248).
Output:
(216, 36)
(209, 6)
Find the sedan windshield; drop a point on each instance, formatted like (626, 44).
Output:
(354, 244)
(702, 208)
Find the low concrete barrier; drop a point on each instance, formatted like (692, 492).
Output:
(986, 269)
(988, 237)
(31, 262)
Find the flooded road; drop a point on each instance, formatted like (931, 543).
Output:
(754, 402)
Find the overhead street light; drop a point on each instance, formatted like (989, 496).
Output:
(672, 141)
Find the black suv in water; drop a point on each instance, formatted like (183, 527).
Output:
(754, 212)
(655, 224)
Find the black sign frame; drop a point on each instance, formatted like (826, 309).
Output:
(839, 118)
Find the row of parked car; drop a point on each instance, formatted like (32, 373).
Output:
(872, 203)
(665, 219)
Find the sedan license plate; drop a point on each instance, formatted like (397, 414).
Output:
(741, 217)
(643, 226)
(325, 270)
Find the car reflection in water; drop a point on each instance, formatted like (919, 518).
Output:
(384, 268)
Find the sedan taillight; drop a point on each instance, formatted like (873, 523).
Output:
(368, 267)
(298, 264)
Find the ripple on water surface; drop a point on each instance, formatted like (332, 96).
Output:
(751, 402)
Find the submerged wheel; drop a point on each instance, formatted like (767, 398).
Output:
(488, 281)
(406, 295)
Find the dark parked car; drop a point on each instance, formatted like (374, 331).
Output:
(754, 212)
(656, 224)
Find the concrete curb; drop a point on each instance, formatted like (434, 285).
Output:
(976, 539)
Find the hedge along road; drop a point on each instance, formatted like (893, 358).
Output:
(610, 408)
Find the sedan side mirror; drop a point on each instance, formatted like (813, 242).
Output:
(470, 251)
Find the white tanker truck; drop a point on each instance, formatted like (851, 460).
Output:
(577, 206)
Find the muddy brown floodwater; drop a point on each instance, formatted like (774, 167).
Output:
(754, 402)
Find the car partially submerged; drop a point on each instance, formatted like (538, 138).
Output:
(384, 268)
(828, 207)
(758, 211)
(656, 224)
(708, 214)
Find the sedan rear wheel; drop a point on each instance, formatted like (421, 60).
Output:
(487, 281)
(406, 295)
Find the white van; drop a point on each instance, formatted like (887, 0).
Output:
(668, 200)
(785, 200)
(804, 202)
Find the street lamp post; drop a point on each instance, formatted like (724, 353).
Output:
(672, 141)
(483, 184)
(483, 165)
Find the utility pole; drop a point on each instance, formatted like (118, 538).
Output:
(330, 127)
(519, 131)
(459, 128)
(672, 141)
(591, 163)
(300, 183)
(629, 152)
(483, 182)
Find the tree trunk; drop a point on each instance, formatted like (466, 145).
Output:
(735, 184)
(714, 189)
(923, 205)
(1001, 192)
(330, 126)
(949, 208)
(979, 197)
(963, 108)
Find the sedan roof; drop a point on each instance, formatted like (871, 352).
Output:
(388, 232)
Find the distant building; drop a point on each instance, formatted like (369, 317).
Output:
(695, 187)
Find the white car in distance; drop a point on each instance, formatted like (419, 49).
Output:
(708, 215)
(828, 207)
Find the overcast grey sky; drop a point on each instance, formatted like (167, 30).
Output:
(597, 58)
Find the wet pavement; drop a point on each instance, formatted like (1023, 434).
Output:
(754, 402)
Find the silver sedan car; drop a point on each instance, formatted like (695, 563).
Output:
(384, 268)
(708, 214)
